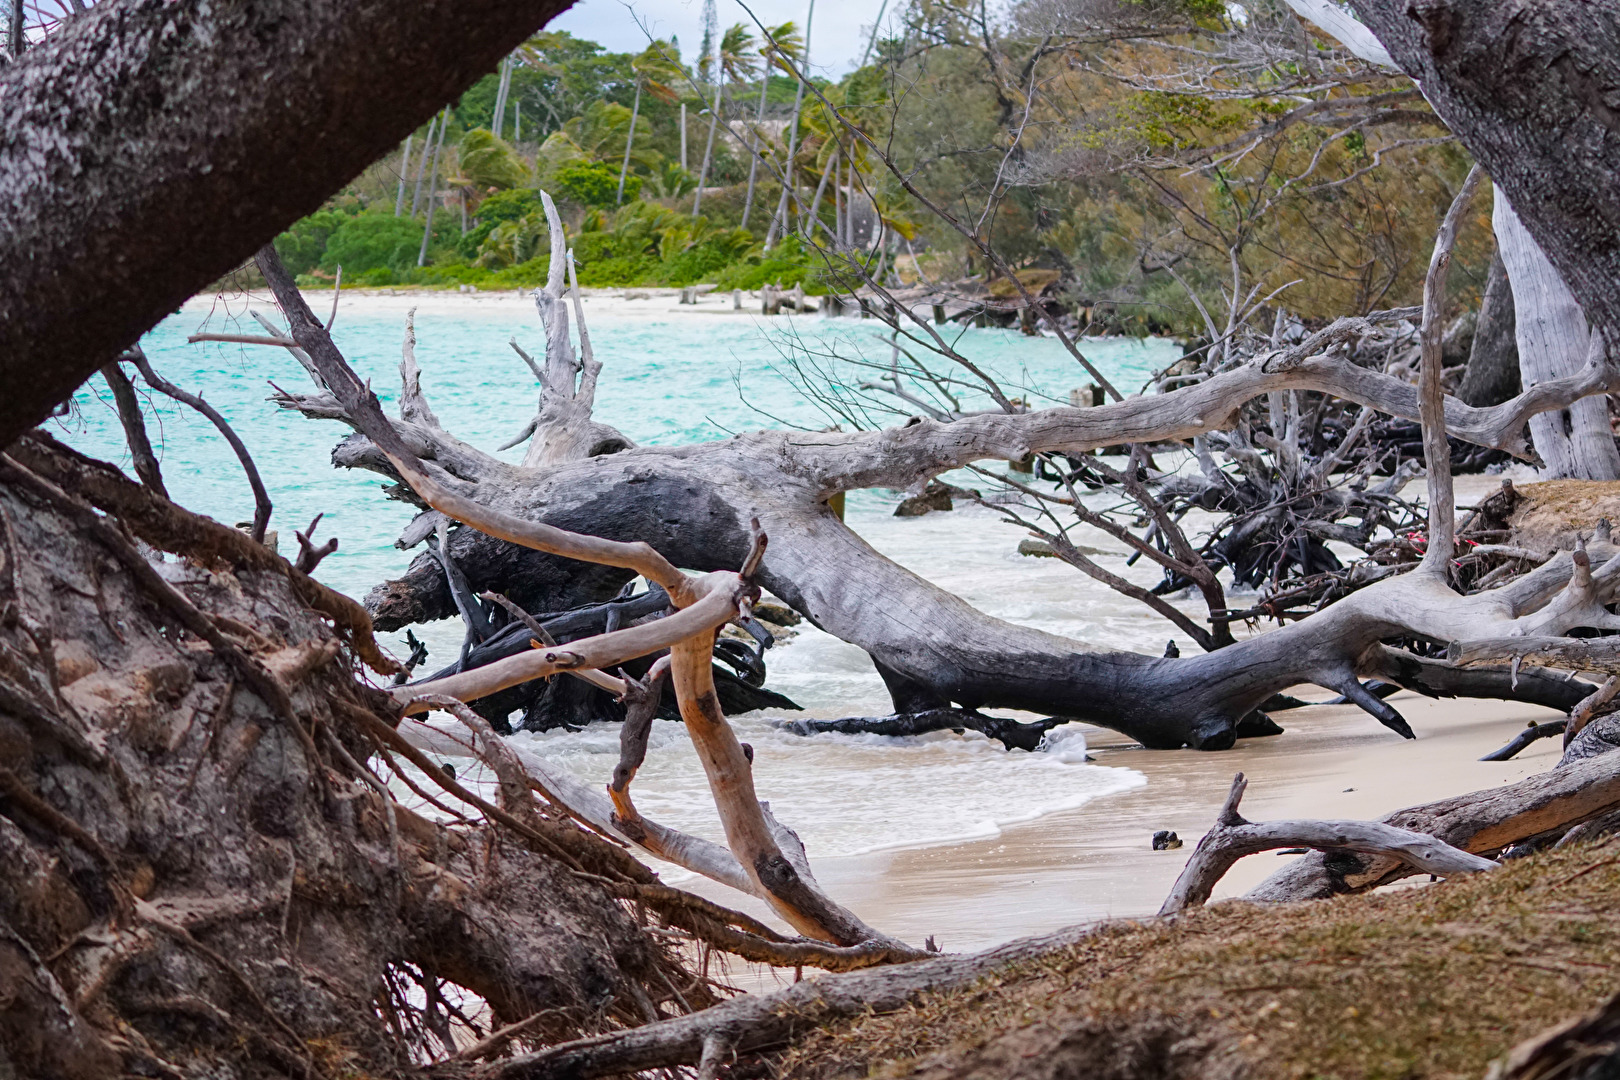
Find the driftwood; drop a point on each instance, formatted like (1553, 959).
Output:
(703, 603)
(1232, 838)
(1484, 823)
(1013, 734)
(693, 505)
(762, 1022)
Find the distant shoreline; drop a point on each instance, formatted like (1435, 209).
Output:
(612, 302)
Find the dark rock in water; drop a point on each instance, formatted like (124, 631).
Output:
(1257, 725)
(936, 496)
(776, 614)
(1165, 840)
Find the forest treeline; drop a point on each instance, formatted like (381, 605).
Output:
(1166, 175)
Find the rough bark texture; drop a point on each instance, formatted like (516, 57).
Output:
(1492, 375)
(193, 886)
(151, 146)
(1533, 90)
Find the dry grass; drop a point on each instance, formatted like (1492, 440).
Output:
(1555, 511)
(1426, 982)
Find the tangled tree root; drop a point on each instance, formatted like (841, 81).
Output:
(201, 878)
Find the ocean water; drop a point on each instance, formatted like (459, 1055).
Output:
(673, 377)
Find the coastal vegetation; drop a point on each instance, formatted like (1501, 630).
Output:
(212, 865)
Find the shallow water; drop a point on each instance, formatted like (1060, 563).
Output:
(668, 379)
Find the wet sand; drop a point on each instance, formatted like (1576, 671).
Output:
(1096, 862)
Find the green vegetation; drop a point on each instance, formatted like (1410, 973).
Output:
(1155, 204)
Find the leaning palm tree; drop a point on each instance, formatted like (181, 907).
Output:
(793, 129)
(783, 41)
(735, 66)
(657, 62)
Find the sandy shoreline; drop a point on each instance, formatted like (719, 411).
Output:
(607, 303)
(1096, 862)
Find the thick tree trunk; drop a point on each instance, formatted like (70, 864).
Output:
(190, 873)
(1553, 340)
(151, 146)
(1492, 375)
(1530, 89)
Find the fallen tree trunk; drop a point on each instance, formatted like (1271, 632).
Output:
(704, 603)
(693, 504)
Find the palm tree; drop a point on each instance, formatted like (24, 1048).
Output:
(784, 41)
(793, 128)
(659, 59)
(735, 66)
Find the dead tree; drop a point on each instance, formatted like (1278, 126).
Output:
(693, 505)
(704, 604)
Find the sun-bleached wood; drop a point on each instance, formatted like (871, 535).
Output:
(1231, 838)
(704, 602)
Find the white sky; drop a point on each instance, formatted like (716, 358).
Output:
(837, 36)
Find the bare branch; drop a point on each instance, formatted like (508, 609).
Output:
(1232, 838)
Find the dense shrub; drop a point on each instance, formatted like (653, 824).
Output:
(499, 208)
(373, 242)
(302, 246)
(595, 184)
(787, 264)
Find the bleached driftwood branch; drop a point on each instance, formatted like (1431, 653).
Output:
(1232, 838)
(705, 602)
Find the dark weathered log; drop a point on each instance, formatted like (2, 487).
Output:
(1437, 679)
(1492, 375)
(1013, 734)
(692, 505)
(564, 626)
(152, 146)
(1231, 838)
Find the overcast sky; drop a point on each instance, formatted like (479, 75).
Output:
(837, 36)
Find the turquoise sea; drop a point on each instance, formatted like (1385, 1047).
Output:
(668, 378)
(671, 377)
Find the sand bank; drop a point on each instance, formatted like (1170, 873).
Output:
(1096, 862)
